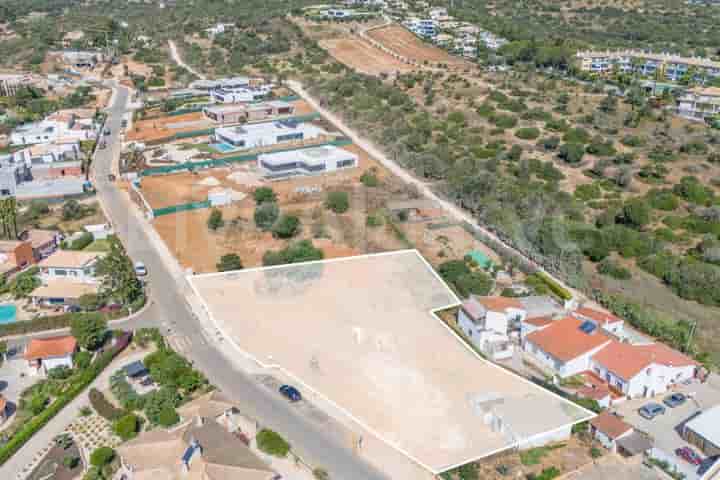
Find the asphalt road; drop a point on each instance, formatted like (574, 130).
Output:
(170, 311)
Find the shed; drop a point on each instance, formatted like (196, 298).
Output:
(481, 259)
(135, 369)
(703, 431)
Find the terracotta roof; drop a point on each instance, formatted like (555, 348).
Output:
(3, 404)
(69, 259)
(498, 304)
(611, 425)
(63, 289)
(597, 315)
(626, 360)
(595, 393)
(50, 347)
(38, 238)
(565, 341)
(539, 321)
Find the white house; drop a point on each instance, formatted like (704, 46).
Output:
(44, 354)
(306, 161)
(100, 231)
(245, 93)
(608, 428)
(642, 370)
(219, 29)
(699, 103)
(267, 133)
(60, 127)
(565, 346)
(69, 265)
(607, 321)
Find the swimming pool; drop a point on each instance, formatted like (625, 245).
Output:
(8, 312)
(223, 147)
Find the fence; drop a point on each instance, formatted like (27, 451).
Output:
(181, 208)
(225, 161)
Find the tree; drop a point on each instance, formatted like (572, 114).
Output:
(635, 213)
(229, 261)
(126, 427)
(89, 330)
(61, 372)
(118, 274)
(71, 210)
(167, 417)
(571, 152)
(264, 194)
(338, 202)
(25, 283)
(272, 443)
(216, 219)
(102, 456)
(286, 227)
(89, 302)
(265, 215)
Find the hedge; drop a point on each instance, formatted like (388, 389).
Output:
(86, 378)
(554, 286)
(104, 408)
(271, 443)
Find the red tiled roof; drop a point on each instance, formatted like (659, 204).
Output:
(50, 347)
(594, 393)
(499, 304)
(3, 404)
(626, 360)
(565, 341)
(539, 321)
(611, 425)
(597, 315)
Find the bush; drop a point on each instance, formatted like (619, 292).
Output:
(608, 267)
(588, 191)
(215, 220)
(369, 178)
(576, 135)
(126, 427)
(320, 474)
(82, 359)
(102, 456)
(553, 286)
(60, 372)
(104, 408)
(374, 221)
(286, 227)
(549, 143)
(81, 242)
(503, 121)
(229, 261)
(266, 214)
(527, 133)
(70, 462)
(662, 199)
(168, 417)
(264, 194)
(271, 443)
(338, 202)
(302, 251)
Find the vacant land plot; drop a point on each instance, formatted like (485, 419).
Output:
(363, 57)
(367, 330)
(404, 43)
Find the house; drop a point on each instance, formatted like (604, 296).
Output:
(608, 428)
(268, 133)
(60, 127)
(703, 431)
(201, 447)
(485, 320)
(101, 231)
(15, 255)
(565, 346)
(699, 103)
(75, 266)
(43, 242)
(642, 370)
(229, 92)
(60, 292)
(218, 29)
(607, 321)
(44, 354)
(306, 161)
(241, 113)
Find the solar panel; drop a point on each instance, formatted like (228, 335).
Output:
(588, 327)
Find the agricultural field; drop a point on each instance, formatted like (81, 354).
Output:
(403, 42)
(359, 55)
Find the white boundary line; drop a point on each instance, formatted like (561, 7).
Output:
(433, 313)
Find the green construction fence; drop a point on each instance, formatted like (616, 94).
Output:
(157, 212)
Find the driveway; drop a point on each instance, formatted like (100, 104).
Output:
(14, 379)
(615, 468)
(665, 429)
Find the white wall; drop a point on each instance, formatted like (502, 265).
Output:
(560, 435)
(77, 275)
(657, 379)
(50, 363)
(563, 369)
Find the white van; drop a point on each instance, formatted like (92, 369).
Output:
(140, 269)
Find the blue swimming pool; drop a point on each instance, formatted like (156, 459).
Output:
(223, 147)
(8, 314)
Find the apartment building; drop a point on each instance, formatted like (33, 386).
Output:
(664, 65)
(700, 103)
(426, 28)
(10, 83)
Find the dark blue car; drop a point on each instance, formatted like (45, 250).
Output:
(291, 393)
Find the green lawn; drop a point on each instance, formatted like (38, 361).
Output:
(98, 246)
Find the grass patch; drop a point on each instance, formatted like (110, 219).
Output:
(534, 455)
(102, 245)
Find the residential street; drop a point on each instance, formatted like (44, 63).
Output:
(171, 312)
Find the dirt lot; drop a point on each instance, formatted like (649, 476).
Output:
(400, 40)
(363, 57)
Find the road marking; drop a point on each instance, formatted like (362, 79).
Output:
(179, 343)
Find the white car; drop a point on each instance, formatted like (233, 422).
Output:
(140, 269)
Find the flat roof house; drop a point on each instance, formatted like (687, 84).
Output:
(44, 354)
(240, 113)
(485, 321)
(265, 134)
(703, 431)
(699, 103)
(306, 161)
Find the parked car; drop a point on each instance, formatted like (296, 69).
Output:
(674, 400)
(103, 145)
(111, 307)
(689, 455)
(651, 410)
(107, 131)
(291, 393)
(140, 269)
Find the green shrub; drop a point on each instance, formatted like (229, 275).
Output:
(103, 407)
(609, 267)
(228, 262)
(588, 191)
(287, 226)
(554, 287)
(571, 152)
(549, 143)
(302, 251)
(374, 220)
(266, 214)
(264, 194)
(102, 456)
(576, 135)
(215, 220)
(126, 427)
(503, 121)
(81, 242)
(271, 443)
(662, 199)
(338, 202)
(527, 133)
(168, 417)
(369, 178)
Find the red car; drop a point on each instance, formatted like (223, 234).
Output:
(689, 455)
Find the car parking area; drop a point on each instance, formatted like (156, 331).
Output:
(14, 379)
(666, 428)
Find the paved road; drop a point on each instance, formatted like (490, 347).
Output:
(456, 212)
(170, 310)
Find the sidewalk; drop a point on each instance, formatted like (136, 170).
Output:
(25, 459)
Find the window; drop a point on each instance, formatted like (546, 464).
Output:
(60, 272)
(346, 163)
